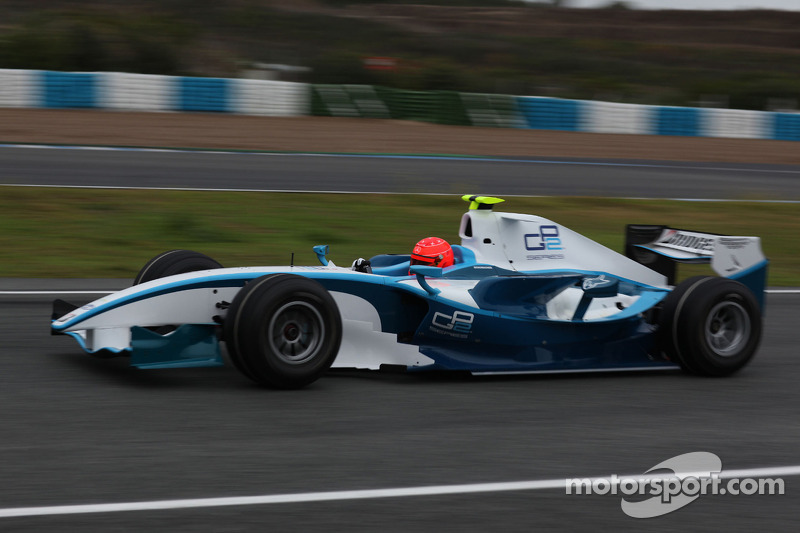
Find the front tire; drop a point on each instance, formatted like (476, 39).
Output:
(174, 262)
(710, 326)
(171, 263)
(283, 331)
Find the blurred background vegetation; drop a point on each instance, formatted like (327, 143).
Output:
(736, 59)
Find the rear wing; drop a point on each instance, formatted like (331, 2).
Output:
(661, 248)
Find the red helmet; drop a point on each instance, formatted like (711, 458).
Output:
(432, 251)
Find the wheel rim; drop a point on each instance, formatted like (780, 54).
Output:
(727, 328)
(295, 332)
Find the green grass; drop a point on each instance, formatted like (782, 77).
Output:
(63, 233)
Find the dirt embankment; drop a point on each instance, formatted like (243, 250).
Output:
(315, 134)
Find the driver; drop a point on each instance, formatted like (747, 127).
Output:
(432, 251)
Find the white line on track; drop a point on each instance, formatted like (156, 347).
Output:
(387, 193)
(215, 189)
(783, 291)
(310, 497)
(454, 157)
(49, 293)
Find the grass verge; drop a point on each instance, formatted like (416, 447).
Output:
(64, 233)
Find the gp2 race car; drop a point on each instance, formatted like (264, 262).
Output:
(525, 295)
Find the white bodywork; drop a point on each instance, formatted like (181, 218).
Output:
(364, 345)
(528, 243)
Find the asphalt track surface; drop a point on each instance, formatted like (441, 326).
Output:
(397, 174)
(78, 431)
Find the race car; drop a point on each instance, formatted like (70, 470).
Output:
(524, 295)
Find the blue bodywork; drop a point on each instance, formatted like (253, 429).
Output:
(509, 331)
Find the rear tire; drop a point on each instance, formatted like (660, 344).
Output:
(174, 262)
(710, 326)
(283, 331)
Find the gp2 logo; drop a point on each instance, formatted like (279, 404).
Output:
(460, 321)
(547, 239)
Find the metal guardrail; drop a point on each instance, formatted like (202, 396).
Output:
(114, 90)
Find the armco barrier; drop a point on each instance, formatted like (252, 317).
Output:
(441, 107)
(412, 105)
(491, 110)
(348, 101)
(607, 117)
(203, 94)
(613, 117)
(551, 113)
(268, 98)
(739, 123)
(20, 88)
(683, 121)
(137, 92)
(69, 89)
(786, 127)
(142, 92)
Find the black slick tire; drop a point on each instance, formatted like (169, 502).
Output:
(174, 262)
(710, 326)
(283, 331)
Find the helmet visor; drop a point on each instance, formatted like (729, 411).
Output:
(428, 261)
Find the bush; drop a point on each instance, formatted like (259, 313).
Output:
(78, 42)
